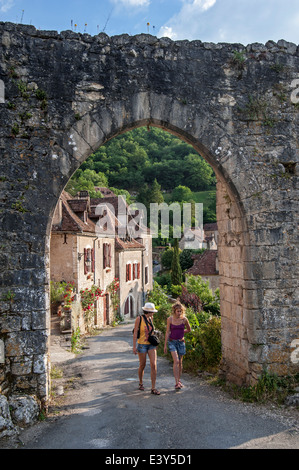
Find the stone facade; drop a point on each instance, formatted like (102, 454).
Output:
(76, 236)
(66, 94)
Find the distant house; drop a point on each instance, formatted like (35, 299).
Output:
(192, 239)
(83, 254)
(211, 236)
(198, 238)
(206, 266)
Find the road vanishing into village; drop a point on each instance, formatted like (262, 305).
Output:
(102, 408)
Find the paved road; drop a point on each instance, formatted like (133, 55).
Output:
(104, 410)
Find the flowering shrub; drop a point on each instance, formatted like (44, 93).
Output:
(88, 298)
(62, 292)
(113, 289)
(190, 299)
(68, 296)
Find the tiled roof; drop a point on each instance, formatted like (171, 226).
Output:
(107, 212)
(132, 244)
(113, 200)
(210, 227)
(204, 264)
(70, 222)
(75, 209)
(105, 191)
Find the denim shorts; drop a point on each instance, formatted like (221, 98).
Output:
(177, 346)
(144, 348)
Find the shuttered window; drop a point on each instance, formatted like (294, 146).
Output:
(128, 272)
(107, 256)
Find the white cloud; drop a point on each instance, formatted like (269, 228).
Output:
(167, 31)
(204, 4)
(132, 3)
(5, 5)
(184, 25)
(245, 21)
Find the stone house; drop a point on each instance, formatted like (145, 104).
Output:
(206, 237)
(210, 236)
(206, 265)
(76, 255)
(83, 254)
(192, 239)
(133, 255)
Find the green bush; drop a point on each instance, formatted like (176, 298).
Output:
(203, 343)
(159, 297)
(57, 291)
(210, 339)
(164, 280)
(269, 387)
(210, 302)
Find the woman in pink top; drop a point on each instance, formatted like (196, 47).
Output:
(177, 326)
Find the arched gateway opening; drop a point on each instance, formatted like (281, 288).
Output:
(232, 244)
(67, 94)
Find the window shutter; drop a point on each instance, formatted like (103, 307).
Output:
(138, 270)
(85, 258)
(134, 265)
(104, 256)
(92, 260)
(127, 272)
(109, 255)
(130, 271)
(146, 275)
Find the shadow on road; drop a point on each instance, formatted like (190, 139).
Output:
(103, 409)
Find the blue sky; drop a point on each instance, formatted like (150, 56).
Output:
(243, 21)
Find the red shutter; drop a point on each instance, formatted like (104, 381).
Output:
(130, 271)
(134, 277)
(109, 255)
(85, 258)
(138, 270)
(92, 260)
(104, 256)
(127, 272)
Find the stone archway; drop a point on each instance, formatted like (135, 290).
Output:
(66, 94)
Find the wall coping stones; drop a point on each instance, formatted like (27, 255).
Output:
(123, 39)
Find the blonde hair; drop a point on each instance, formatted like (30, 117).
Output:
(176, 305)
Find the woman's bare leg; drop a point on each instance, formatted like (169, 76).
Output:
(176, 364)
(142, 363)
(152, 354)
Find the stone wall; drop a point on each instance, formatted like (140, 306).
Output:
(66, 94)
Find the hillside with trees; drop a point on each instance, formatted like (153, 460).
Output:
(141, 156)
(149, 166)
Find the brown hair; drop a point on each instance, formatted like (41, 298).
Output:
(176, 305)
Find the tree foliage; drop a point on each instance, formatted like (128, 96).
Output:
(153, 166)
(176, 270)
(141, 156)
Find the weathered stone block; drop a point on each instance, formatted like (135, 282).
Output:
(6, 425)
(24, 410)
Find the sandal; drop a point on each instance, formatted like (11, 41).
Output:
(141, 387)
(155, 391)
(178, 386)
